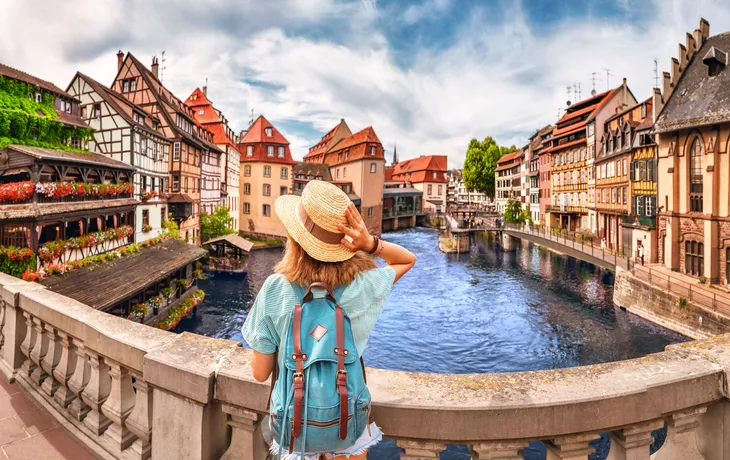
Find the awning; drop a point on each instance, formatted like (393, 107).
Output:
(104, 286)
(233, 240)
(180, 198)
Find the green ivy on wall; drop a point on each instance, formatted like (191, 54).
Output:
(25, 121)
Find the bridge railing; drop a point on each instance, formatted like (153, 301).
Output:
(132, 392)
(576, 242)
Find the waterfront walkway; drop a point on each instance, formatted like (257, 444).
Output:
(27, 432)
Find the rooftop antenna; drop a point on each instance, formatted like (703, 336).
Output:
(656, 73)
(608, 78)
(593, 80)
(251, 121)
(162, 65)
(568, 92)
(579, 93)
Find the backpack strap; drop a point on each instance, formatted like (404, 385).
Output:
(341, 352)
(298, 377)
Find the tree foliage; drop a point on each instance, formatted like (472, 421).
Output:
(480, 163)
(217, 224)
(170, 227)
(514, 214)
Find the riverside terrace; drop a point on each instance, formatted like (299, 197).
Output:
(128, 391)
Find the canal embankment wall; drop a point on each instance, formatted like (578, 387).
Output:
(666, 308)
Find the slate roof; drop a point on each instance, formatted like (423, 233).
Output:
(88, 158)
(104, 286)
(699, 99)
(312, 169)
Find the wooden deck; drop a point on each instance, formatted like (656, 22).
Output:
(104, 286)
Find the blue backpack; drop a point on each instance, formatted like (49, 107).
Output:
(319, 401)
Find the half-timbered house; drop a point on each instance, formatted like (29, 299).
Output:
(230, 160)
(126, 132)
(190, 142)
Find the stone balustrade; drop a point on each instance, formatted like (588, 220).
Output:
(130, 391)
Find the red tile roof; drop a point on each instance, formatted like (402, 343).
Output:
(557, 148)
(210, 117)
(257, 139)
(421, 169)
(256, 133)
(324, 144)
(360, 137)
(509, 157)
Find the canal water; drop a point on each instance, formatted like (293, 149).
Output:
(485, 311)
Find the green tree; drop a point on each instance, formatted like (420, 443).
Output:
(513, 212)
(480, 163)
(170, 227)
(217, 224)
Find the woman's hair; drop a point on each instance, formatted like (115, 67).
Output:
(299, 267)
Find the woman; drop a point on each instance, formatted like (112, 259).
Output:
(327, 242)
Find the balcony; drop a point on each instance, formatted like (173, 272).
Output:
(62, 192)
(127, 391)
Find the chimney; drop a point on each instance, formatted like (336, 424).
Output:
(205, 90)
(682, 60)
(657, 103)
(155, 67)
(666, 85)
(704, 31)
(691, 46)
(676, 73)
(120, 60)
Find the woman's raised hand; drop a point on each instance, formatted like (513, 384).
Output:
(357, 231)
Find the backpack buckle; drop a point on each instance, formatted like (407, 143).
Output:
(297, 375)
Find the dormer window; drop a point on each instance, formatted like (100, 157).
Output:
(269, 132)
(715, 60)
(372, 151)
(201, 112)
(138, 118)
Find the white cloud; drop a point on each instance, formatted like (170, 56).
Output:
(317, 62)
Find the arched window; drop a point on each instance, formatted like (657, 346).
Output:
(696, 175)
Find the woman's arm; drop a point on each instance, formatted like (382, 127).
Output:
(262, 365)
(397, 257)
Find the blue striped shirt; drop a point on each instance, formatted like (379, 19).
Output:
(363, 301)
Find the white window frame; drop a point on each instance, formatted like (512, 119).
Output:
(246, 207)
(373, 168)
(284, 173)
(249, 150)
(281, 152)
(269, 131)
(270, 151)
(267, 171)
(372, 151)
(176, 151)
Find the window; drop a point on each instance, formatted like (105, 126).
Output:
(282, 190)
(344, 172)
(267, 171)
(176, 151)
(267, 190)
(38, 97)
(247, 208)
(372, 151)
(175, 183)
(643, 110)
(430, 189)
(201, 112)
(267, 210)
(374, 168)
(269, 132)
(129, 85)
(370, 211)
(650, 206)
(138, 118)
(246, 188)
(249, 150)
(97, 111)
(247, 171)
(694, 258)
(186, 184)
(146, 217)
(441, 189)
(337, 176)
(284, 173)
(625, 168)
(270, 150)
(281, 152)
(696, 176)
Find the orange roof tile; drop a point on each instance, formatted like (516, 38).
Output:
(256, 133)
(509, 157)
(259, 142)
(568, 144)
(360, 137)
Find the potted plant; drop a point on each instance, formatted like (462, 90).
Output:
(138, 312)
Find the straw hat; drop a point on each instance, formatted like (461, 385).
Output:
(312, 220)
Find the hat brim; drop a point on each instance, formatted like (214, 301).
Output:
(287, 208)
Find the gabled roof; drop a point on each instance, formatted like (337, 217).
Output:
(121, 105)
(340, 131)
(422, 163)
(509, 157)
(15, 74)
(176, 105)
(699, 99)
(256, 133)
(198, 101)
(360, 137)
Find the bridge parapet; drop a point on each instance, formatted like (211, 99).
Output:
(132, 392)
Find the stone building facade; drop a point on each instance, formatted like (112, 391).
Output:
(693, 138)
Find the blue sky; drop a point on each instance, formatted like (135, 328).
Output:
(428, 75)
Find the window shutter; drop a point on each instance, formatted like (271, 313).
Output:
(631, 172)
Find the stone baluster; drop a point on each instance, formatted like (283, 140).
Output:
(78, 382)
(2, 323)
(64, 370)
(27, 346)
(39, 351)
(632, 442)
(96, 392)
(420, 450)
(681, 439)
(118, 405)
(139, 421)
(51, 360)
(502, 450)
(571, 447)
(247, 443)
